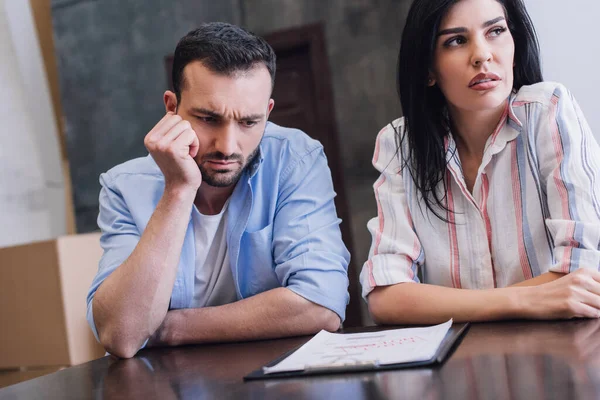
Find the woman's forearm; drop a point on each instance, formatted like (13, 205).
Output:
(409, 303)
(540, 279)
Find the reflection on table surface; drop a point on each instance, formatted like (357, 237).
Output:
(503, 360)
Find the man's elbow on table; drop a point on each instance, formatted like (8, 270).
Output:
(118, 344)
(330, 321)
(312, 318)
(120, 336)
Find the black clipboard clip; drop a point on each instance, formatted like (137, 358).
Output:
(341, 367)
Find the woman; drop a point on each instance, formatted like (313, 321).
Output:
(489, 194)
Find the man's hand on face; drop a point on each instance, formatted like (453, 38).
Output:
(173, 144)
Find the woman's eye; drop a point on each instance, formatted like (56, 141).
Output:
(497, 31)
(455, 41)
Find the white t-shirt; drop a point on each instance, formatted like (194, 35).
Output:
(213, 285)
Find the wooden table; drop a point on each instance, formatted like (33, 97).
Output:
(504, 360)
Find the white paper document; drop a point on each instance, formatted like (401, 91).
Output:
(378, 348)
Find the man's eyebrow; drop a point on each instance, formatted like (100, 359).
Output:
(451, 31)
(205, 111)
(252, 117)
(216, 115)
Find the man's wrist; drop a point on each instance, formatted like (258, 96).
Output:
(180, 193)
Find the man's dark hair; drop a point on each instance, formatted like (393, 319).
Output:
(222, 48)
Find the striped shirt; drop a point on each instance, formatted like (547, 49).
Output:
(534, 207)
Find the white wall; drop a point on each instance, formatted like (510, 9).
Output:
(570, 45)
(32, 200)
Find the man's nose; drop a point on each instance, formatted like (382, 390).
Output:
(225, 141)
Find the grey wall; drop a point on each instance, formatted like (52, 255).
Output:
(362, 38)
(110, 55)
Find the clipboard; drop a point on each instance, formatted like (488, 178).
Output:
(452, 339)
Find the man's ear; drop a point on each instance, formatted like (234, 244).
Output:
(270, 107)
(170, 100)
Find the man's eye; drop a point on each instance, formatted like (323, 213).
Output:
(208, 120)
(249, 124)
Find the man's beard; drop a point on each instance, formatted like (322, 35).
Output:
(225, 177)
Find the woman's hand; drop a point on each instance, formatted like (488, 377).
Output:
(575, 295)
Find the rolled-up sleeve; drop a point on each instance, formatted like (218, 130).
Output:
(310, 257)
(119, 237)
(396, 254)
(570, 164)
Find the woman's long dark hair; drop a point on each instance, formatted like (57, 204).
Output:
(426, 120)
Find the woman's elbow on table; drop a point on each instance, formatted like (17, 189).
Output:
(382, 308)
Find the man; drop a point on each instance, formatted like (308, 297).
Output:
(227, 231)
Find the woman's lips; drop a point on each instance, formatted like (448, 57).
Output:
(484, 81)
(485, 85)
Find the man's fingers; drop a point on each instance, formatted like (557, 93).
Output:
(187, 139)
(173, 134)
(164, 119)
(194, 146)
(162, 127)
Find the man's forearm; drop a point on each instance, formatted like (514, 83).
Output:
(275, 313)
(132, 302)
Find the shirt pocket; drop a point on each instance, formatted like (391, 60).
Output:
(256, 267)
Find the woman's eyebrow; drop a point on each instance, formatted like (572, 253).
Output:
(451, 31)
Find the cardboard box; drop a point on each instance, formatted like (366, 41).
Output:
(43, 289)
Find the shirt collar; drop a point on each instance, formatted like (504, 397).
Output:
(508, 128)
(256, 161)
(511, 112)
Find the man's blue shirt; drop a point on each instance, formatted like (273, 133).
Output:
(282, 226)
